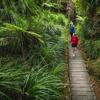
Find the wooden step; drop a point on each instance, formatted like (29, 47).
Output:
(79, 78)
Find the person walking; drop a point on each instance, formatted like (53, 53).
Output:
(74, 43)
(72, 30)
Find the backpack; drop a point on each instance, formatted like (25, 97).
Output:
(74, 40)
(72, 29)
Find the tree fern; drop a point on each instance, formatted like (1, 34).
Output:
(13, 28)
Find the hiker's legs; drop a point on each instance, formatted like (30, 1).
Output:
(73, 51)
(74, 47)
(71, 34)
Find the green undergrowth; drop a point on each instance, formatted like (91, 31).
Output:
(94, 69)
(90, 47)
(91, 55)
(35, 72)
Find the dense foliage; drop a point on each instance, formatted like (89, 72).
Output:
(31, 49)
(88, 28)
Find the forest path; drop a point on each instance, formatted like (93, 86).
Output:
(79, 78)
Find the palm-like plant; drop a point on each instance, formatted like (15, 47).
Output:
(10, 80)
(21, 34)
(10, 27)
(25, 25)
(90, 6)
(21, 5)
(42, 85)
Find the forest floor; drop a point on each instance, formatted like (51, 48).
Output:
(96, 88)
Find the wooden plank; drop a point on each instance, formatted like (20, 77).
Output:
(79, 78)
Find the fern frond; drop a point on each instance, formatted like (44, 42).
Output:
(13, 28)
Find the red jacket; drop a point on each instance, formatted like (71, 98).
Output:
(74, 40)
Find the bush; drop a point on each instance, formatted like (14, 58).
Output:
(94, 68)
(40, 84)
(49, 23)
(43, 64)
(91, 49)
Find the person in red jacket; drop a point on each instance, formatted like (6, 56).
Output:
(74, 43)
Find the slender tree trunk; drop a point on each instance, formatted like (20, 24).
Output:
(71, 11)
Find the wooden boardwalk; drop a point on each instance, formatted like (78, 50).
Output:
(79, 78)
